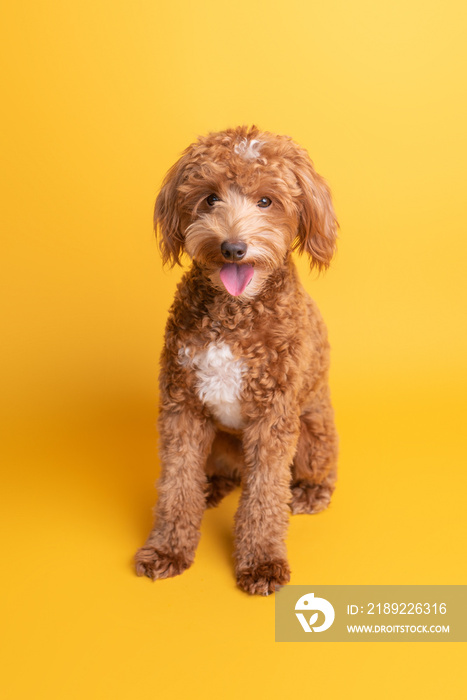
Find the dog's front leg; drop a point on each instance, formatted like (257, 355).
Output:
(262, 516)
(185, 442)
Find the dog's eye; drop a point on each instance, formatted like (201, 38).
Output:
(212, 199)
(264, 202)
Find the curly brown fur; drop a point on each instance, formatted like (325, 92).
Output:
(156, 564)
(265, 578)
(223, 468)
(244, 370)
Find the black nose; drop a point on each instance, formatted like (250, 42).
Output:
(233, 251)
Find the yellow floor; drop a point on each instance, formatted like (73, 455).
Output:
(78, 622)
(99, 98)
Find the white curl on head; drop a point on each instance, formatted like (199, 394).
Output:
(248, 150)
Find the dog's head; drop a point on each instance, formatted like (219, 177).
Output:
(238, 201)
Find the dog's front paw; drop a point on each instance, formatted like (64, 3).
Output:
(264, 578)
(155, 564)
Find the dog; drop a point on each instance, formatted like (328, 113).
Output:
(244, 392)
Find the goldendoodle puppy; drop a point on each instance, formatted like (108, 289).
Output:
(244, 371)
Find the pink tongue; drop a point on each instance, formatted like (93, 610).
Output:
(236, 277)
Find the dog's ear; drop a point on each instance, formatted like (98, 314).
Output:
(317, 228)
(167, 215)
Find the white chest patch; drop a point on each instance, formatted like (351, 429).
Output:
(219, 381)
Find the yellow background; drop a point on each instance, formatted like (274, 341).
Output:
(98, 99)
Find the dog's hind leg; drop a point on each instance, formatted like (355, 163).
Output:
(223, 468)
(314, 468)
